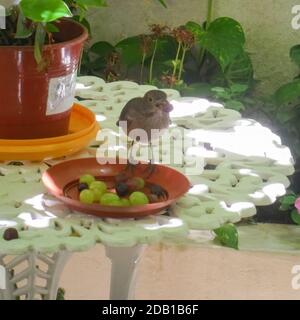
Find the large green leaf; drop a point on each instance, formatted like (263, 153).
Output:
(98, 65)
(287, 201)
(228, 236)
(195, 28)
(288, 93)
(224, 39)
(295, 216)
(22, 31)
(102, 48)
(295, 54)
(165, 53)
(131, 50)
(240, 70)
(45, 10)
(166, 49)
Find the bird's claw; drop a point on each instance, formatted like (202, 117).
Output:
(158, 191)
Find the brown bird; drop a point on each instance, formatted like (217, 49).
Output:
(151, 114)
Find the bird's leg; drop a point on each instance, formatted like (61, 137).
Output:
(130, 164)
(151, 164)
(155, 189)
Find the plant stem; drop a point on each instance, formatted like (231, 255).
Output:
(176, 59)
(181, 64)
(142, 68)
(39, 40)
(201, 56)
(152, 61)
(208, 22)
(209, 13)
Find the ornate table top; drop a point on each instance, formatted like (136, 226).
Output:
(243, 165)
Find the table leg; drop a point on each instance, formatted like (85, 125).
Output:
(124, 261)
(32, 276)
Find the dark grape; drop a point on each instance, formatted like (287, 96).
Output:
(122, 189)
(82, 186)
(10, 234)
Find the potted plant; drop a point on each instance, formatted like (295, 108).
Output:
(40, 50)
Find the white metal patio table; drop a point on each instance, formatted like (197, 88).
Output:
(244, 165)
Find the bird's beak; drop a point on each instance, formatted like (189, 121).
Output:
(167, 107)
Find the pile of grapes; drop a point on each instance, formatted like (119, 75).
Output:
(125, 193)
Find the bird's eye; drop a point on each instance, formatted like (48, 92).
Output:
(150, 99)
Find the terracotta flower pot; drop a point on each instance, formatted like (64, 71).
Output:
(37, 104)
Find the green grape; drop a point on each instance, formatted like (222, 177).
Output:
(87, 178)
(97, 194)
(109, 198)
(135, 183)
(138, 198)
(99, 185)
(116, 203)
(140, 182)
(86, 196)
(125, 202)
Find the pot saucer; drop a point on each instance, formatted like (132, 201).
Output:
(83, 129)
(61, 180)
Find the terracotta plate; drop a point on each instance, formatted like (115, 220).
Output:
(62, 181)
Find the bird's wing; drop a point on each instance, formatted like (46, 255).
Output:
(131, 110)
